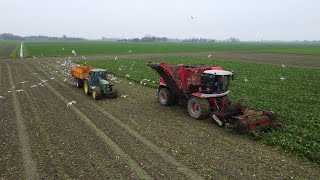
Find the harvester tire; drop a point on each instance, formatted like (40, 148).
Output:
(96, 93)
(165, 96)
(198, 108)
(253, 135)
(86, 88)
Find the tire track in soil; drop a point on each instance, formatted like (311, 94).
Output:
(82, 155)
(38, 128)
(207, 145)
(11, 166)
(156, 149)
(103, 137)
(30, 168)
(205, 151)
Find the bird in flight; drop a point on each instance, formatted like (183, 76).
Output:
(74, 52)
(70, 103)
(1, 97)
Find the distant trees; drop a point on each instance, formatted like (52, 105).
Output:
(8, 36)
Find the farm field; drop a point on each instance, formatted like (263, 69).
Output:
(292, 92)
(128, 137)
(7, 48)
(96, 48)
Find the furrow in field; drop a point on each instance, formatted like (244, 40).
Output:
(137, 137)
(206, 148)
(29, 164)
(10, 159)
(120, 154)
(202, 144)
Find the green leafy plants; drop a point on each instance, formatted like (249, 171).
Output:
(292, 92)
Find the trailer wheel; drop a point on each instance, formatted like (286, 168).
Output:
(198, 108)
(96, 93)
(79, 83)
(165, 96)
(86, 88)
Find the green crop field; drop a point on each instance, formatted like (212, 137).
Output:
(294, 97)
(86, 48)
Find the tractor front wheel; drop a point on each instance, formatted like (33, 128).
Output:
(165, 97)
(86, 88)
(114, 94)
(198, 108)
(96, 93)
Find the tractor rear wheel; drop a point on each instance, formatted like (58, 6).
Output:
(165, 96)
(86, 88)
(198, 108)
(96, 93)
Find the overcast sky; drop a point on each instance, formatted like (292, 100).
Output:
(215, 19)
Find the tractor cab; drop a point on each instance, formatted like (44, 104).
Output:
(215, 81)
(98, 77)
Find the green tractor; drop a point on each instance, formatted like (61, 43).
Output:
(97, 85)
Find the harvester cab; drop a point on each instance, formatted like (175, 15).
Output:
(215, 81)
(205, 91)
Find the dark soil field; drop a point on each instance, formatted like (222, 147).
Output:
(130, 137)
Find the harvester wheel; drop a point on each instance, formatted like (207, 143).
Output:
(96, 93)
(86, 88)
(254, 135)
(165, 96)
(198, 108)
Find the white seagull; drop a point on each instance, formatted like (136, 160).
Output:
(115, 58)
(124, 96)
(33, 86)
(70, 103)
(19, 90)
(1, 97)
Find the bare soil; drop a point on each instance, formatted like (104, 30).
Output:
(127, 137)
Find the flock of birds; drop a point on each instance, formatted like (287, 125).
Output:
(64, 68)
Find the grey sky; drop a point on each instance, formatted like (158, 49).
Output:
(216, 19)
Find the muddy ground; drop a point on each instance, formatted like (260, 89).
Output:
(128, 137)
